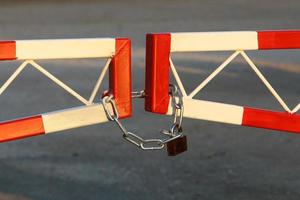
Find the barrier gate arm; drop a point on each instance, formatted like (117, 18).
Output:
(117, 50)
(159, 46)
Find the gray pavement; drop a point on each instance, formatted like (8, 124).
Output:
(223, 161)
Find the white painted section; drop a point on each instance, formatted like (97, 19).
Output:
(74, 118)
(214, 41)
(211, 111)
(65, 48)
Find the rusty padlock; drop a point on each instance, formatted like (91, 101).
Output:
(177, 146)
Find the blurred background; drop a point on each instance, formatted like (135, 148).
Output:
(223, 161)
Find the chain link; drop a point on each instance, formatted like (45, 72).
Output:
(138, 94)
(148, 144)
(177, 106)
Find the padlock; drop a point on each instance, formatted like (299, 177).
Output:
(177, 146)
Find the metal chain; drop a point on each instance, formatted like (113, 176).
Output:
(177, 106)
(178, 109)
(138, 94)
(147, 144)
(130, 137)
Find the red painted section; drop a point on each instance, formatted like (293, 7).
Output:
(7, 50)
(120, 77)
(21, 128)
(279, 39)
(157, 73)
(281, 121)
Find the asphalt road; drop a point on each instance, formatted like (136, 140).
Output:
(223, 161)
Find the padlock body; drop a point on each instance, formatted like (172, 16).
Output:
(177, 146)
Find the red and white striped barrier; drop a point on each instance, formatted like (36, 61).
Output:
(57, 48)
(158, 64)
(52, 122)
(233, 40)
(239, 115)
(118, 52)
